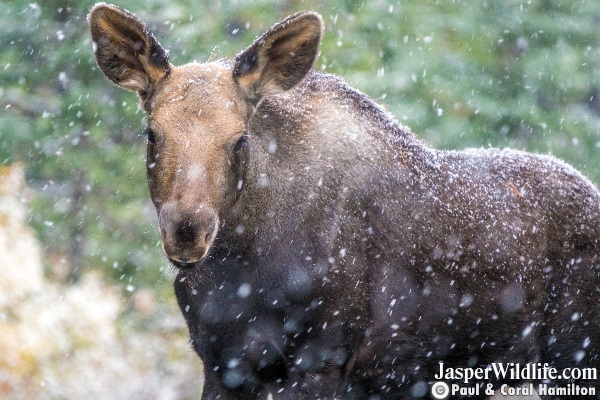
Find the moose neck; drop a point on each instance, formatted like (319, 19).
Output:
(312, 147)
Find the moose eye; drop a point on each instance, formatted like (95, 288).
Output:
(240, 145)
(150, 134)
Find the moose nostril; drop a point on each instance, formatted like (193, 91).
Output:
(186, 232)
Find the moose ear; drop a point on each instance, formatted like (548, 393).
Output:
(126, 51)
(279, 59)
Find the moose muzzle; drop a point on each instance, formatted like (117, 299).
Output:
(187, 235)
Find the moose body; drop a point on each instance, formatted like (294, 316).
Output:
(325, 252)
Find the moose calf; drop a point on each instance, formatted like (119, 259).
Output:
(325, 252)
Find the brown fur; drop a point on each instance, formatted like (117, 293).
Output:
(326, 252)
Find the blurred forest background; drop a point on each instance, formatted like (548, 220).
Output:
(83, 282)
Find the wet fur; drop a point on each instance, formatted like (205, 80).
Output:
(354, 257)
(455, 238)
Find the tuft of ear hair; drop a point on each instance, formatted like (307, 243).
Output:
(279, 59)
(125, 49)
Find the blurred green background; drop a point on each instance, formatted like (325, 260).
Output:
(522, 74)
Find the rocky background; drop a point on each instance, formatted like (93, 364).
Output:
(85, 340)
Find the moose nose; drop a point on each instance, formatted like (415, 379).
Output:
(187, 236)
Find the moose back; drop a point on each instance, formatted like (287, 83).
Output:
(324, 251)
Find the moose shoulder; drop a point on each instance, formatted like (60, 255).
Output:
(324, 251)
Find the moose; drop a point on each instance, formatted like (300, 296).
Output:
(325, 252)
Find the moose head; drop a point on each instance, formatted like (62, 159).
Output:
(198, 116)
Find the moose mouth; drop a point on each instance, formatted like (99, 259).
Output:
(187, 259)
(183, 264)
